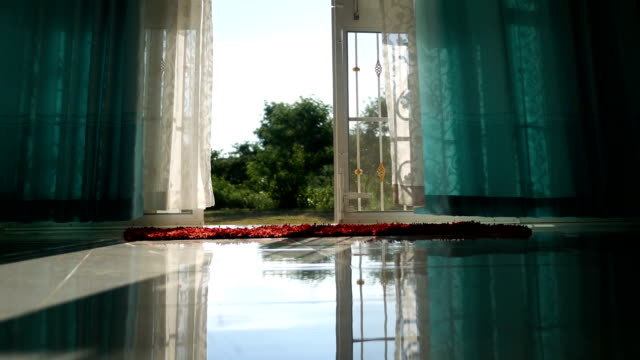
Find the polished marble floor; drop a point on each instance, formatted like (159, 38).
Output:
(563, 294)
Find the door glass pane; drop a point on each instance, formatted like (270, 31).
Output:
(369, 149)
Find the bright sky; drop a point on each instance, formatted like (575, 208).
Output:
(276, 50)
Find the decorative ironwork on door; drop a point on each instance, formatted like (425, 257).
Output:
(369, 186)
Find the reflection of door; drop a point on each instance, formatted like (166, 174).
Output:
(401, 284)
(344, 303)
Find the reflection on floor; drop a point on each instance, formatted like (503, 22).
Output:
(560, 295)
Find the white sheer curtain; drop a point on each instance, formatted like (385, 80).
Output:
(405, 126)
(176, 99)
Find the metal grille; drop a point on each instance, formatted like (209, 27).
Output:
(369, 141)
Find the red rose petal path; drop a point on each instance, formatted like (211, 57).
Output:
(457, 230)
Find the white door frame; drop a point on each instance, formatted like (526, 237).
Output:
(345, 18)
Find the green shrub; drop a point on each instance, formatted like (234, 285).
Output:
(238, 196)
(319, 197)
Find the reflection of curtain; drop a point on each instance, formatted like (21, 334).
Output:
(518, 116)
(171, 309)
(176, 99)
(402, 101)
(69, 129)
(157, 314)
(547, 298)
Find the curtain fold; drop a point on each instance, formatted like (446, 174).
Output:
(527, 107)
(176, 100)
(403, 106)
(70, 132)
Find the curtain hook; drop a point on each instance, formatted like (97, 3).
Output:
(356, 10)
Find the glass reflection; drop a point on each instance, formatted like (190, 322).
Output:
(555, 296)
(160, 314)
(272, 300)
(388, 319)
(552, 297)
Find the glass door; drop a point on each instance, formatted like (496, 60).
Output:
(363, 145)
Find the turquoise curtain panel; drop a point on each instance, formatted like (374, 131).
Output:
(70, 134)
(530, 107)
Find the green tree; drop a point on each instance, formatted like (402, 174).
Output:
(233, 167)
(295, 152)
(231, 184)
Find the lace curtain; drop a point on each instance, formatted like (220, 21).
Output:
(401, 79)
(176, 104)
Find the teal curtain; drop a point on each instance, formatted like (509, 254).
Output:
(70, 132)
(529, 107)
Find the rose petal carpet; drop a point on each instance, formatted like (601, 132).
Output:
(458, 230)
